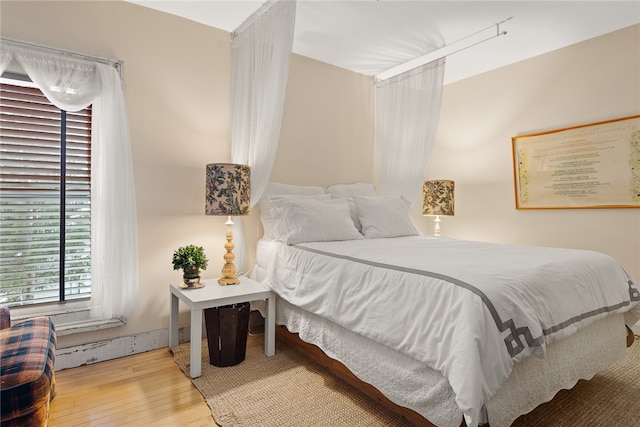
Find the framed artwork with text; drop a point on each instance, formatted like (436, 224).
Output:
(594, 165)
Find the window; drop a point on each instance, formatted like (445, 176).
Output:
(91, 264)
(45, 198)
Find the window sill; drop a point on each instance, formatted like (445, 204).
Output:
(86, 326)
(69, 320)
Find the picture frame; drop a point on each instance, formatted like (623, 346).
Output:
(594, 165)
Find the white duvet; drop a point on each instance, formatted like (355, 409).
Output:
(469, 310)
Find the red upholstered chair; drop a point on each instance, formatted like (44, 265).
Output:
(27, 378)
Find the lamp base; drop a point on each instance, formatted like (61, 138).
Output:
(224, 281)
(436, 230)
(229, 269)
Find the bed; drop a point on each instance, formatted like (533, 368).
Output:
(449, 330)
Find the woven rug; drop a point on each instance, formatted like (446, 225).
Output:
(291, 390)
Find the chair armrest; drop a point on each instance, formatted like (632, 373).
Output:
(5, 318)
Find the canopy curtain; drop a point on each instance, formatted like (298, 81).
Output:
(260, 57)
(407, 116)
(72, 84)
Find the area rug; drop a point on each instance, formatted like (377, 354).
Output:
(291, 390)
(287, 389)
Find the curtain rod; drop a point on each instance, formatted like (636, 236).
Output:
(116, 63)
(442, 52)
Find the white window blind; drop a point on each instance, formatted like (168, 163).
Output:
(45, 199)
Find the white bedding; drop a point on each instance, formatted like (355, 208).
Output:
(447, 316)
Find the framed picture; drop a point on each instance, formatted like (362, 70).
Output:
(595, 165)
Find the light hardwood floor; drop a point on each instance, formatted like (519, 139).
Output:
(139, 390)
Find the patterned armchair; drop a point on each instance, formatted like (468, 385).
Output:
(27, 378)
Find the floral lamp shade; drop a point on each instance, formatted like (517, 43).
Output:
(228, 189)
(438, 198)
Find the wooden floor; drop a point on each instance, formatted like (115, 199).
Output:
(139, 390)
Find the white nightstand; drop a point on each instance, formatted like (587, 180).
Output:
(214, 295)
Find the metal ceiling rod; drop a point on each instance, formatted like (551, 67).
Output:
(454, 47)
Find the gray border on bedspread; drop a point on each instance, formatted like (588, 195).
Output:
(512, 341)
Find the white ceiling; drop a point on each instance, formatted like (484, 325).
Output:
(369, 36)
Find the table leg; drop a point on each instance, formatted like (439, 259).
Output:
(173, 321)
(270, 327)
(196, 343)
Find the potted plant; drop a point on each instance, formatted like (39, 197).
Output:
(191, 259)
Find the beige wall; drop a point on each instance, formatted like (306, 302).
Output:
(327, 133)
(592, 81)
(177, 84)
(177, 89)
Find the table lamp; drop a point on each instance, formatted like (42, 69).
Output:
(438, 200)
(228, 193)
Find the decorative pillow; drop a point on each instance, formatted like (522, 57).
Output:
(348, 190)
(312, 220)
(384, 216)
(282, 190)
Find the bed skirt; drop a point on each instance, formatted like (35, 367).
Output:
(410, 384)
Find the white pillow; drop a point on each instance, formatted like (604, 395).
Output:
(267, 217)
(278, 189)
(353, 211)
(338, 191)
(348, 190)
(384, 216)
(312, 220)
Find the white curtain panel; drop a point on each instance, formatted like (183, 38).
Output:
(261, 53)
(73, 84)
(5, 59)
(407, 116)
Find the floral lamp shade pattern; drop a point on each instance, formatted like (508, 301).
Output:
(228, 189)
(438, 198)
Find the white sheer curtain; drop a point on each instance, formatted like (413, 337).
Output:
(5, 59)
(261, 53)
(73, 84)
(407, 116)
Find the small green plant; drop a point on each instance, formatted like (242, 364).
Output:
(191, 259)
